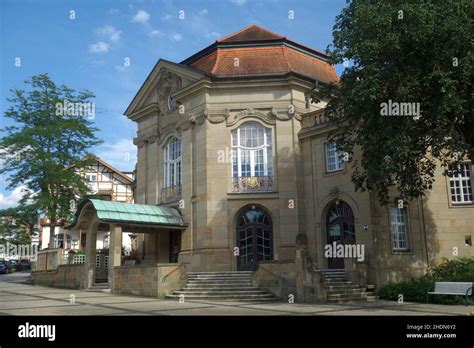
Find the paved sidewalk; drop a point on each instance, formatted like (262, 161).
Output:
(17, 298)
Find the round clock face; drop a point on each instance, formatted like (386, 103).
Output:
(171, 103)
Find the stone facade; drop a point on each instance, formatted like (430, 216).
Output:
(153, 281)
(203, 101)
(63, 276)
(436, 227)
(208, 202)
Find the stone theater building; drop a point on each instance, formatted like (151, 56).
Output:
(218, 133)
(230, 139)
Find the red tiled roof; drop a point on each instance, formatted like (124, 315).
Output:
(251, 33)
(277, 56)
(264, 61)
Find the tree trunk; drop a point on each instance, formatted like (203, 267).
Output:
(52, 230)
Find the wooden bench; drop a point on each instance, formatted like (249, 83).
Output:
(452, 288)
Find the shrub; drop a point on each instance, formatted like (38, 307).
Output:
(456, 270)
(414, 290)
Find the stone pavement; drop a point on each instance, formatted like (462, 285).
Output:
(17, 298)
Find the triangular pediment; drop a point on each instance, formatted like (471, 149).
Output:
(164, 78)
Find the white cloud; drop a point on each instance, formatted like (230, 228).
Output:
(99, 47)
(155, 33)
(239, 2)
(141, 17)
(213, 34)
(176, 37)
(110, 32)
(121, 154)
(203, 12)
(166, 17)
(12, 199)
(113, 11)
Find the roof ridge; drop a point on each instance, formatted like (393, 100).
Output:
(255, 26)
(237, 32)
(214, 67)
(283, 50)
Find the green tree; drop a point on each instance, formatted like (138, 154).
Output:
(402, 51)
(50, 133)
(18, 224)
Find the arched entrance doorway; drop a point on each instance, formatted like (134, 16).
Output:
(254, 237)
(340, 230)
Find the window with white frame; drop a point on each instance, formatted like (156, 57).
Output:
(460, 184)
(63, 241)
(91, 177)
(399, 226)
(251, 150)
(333, 158)
(172, 156)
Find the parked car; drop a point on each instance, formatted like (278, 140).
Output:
(24, 264)
(14, 265)
(4, 267)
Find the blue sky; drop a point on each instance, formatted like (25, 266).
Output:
(89, 51)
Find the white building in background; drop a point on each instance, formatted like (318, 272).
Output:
(107, 182)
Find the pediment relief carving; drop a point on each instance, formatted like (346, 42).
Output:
(167, 84)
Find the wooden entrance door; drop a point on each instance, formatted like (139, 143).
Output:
(254, 236)
(340, 230)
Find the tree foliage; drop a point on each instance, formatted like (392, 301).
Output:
(41, 143)
(403, 51)
(18, 225)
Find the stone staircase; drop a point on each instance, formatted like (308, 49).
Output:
(340, 290)
(221, 286)
(99, 287)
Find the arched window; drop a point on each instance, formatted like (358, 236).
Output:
(172, 156)
(63, 241)
(340, 223)
(251, 151)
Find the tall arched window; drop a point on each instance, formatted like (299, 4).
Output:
(251, 151)
(172, 156)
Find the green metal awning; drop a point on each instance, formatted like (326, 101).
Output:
(129, 213)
